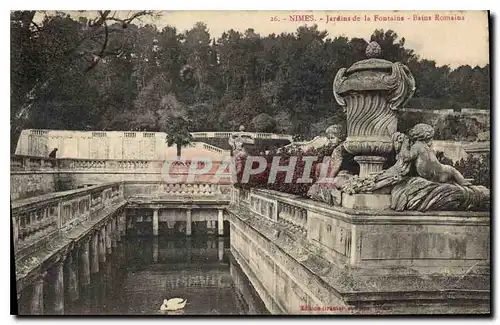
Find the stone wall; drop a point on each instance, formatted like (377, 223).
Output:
(92, 144)
(28, 184)
(125, 144)
(32, 176)
(360, 261)
(452, 149)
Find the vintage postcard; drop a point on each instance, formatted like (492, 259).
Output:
(250, 162)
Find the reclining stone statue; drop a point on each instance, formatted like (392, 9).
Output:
(418, 181)
(426, 162)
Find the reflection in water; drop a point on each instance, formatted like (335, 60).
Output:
(142, 272)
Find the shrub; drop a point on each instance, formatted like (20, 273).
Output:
(261, 180)
(477, 168)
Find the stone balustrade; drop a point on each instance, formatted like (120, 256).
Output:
(258, 135)
(37, 219)
(169, 191)
(292, 216)
(282, 210)
(26, 163)
(109, 164)
(264, 206)
(239, 195)
(30, 163)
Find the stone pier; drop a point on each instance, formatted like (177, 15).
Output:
(155, 222)
(107, 233)
(58, 288)
(220, 222)
(71, 264)
(84, 262)
(102, 245)
(114, 232)
(155, 249)
(220, 248)
(188, 222)
(36, 305)
(94, 253)
(118, 228)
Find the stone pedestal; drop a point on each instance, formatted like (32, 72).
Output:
(220, 222)
(36, 306)
(369, 165)
(366, 201)
(84, 263)
(94, 253)
(155, 222)
(188, 222)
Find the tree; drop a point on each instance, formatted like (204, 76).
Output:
(392, 46)
(41, 52)
(454, 127)
(94, 74)
(264, 123)
(178, 132)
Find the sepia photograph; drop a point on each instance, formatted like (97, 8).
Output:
(320, 163)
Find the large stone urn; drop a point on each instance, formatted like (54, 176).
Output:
(370, 92)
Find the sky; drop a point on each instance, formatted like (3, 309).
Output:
(448, 42)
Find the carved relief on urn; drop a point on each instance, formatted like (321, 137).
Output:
(370, 92)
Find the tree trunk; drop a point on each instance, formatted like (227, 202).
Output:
(179, 148)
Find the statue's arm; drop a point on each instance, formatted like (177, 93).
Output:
(409, 153)
(336, 159)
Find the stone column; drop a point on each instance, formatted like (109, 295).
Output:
(36, 306)
(108, 238)
(94, 253)
(155, 222)
(220, 221)
(71, 264)
(102, 245)
(59, 288)
(84, 263)
(188, 222)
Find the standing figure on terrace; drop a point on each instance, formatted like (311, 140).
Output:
(328, 174)
(238, 142)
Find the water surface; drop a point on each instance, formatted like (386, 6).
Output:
(142, 272)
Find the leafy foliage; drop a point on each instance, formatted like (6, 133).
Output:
(457, 128)
(477, 168)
